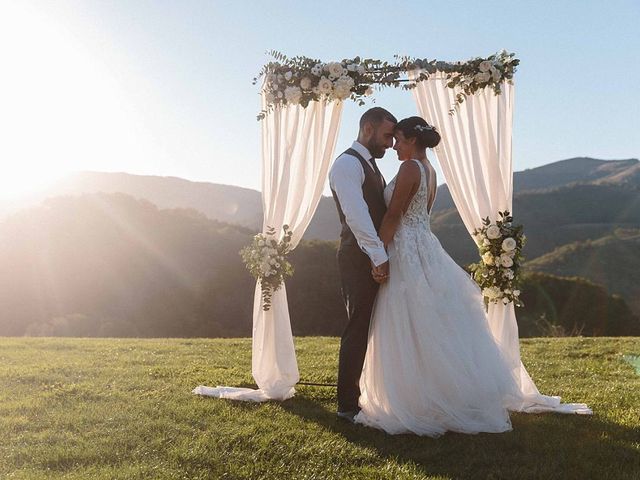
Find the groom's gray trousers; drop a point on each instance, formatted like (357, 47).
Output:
(359, 293)
(358, 287)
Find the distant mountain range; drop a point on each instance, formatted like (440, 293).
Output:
(242, 206)
(563, 173)
(560, 203)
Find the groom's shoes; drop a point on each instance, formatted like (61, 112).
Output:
(348, 416)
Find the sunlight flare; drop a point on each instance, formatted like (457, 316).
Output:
(60, 106)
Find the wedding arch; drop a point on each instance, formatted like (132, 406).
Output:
(470, 102)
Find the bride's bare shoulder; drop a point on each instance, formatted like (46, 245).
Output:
(409, 170)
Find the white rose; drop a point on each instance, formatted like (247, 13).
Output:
(360, 70)
(508, 244)
(346, 81)
(280, 94)
(508, 274)
(340, 93)
(516, 293)
(335, 69)
(325, 85)
(505, 261)
(293, 95)
(485, 66)
(482, 77)
(305, 83)
(492, 292)
(486, 242)
(288, 75)
(493, 232)
(342, 87)
(487, 258)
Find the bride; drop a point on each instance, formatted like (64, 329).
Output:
(431, 364)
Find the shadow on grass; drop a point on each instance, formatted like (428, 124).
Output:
(540, 446)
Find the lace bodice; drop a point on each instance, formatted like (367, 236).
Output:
(417, 213)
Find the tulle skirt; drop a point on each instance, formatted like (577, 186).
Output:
(432, 364)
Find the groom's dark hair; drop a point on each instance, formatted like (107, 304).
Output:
(376, 116)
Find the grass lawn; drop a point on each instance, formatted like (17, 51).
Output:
(123, 409)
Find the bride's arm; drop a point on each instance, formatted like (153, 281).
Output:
(407, 183)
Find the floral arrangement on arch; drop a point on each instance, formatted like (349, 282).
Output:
(498, 272)
(300, 80)
(266, 260)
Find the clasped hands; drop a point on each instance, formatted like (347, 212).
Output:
(381, 272)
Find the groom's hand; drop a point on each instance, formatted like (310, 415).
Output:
(381, 272)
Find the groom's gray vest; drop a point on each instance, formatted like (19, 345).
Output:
(373, 193)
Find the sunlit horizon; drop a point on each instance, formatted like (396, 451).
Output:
(62, 107)
(154, 89)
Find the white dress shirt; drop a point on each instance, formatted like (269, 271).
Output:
(346, 178)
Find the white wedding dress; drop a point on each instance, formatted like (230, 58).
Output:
(432, 364)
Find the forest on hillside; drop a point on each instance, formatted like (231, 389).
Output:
(115, 266)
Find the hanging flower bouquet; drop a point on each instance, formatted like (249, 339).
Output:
(498, 271)
(266, 260)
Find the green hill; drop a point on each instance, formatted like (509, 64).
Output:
(122, 409)
(111, 265)
(552, 218)
(613, 261)
(561, 306)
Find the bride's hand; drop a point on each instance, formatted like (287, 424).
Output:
(381, 272)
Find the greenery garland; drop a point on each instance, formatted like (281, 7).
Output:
(300, 80)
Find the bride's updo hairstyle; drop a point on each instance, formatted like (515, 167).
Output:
(415, 127)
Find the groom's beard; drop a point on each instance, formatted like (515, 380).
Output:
(377, 151)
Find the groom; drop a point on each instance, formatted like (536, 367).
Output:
(358, 190)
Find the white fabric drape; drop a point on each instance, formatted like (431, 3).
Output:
(475, 157)
(297, 152)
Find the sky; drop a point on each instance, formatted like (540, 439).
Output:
(165, 87)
